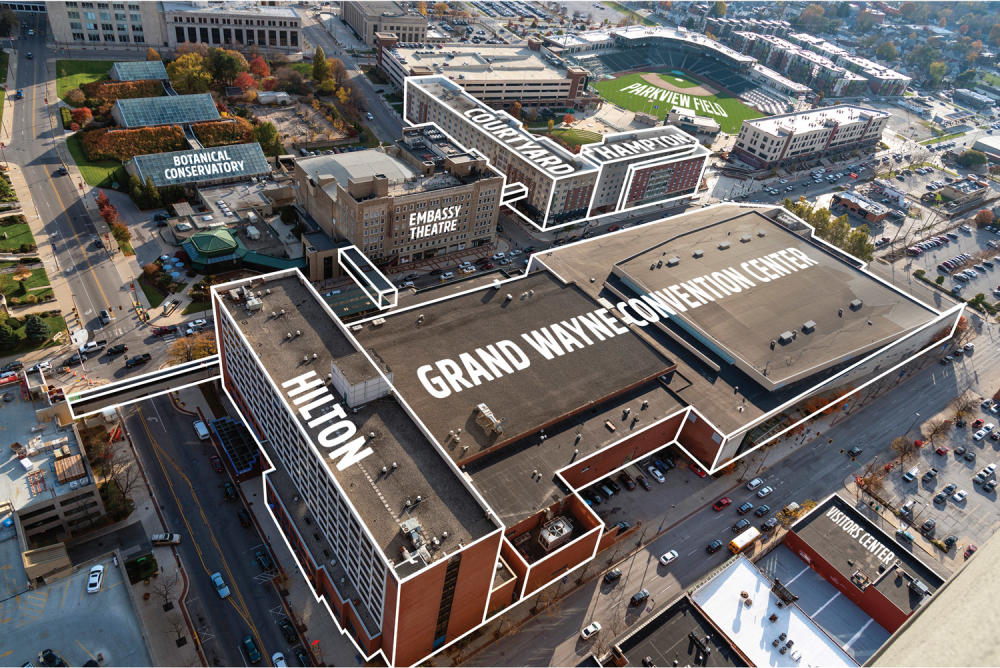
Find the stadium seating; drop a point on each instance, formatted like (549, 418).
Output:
(678, 56)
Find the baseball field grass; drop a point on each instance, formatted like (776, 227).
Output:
(728, 111)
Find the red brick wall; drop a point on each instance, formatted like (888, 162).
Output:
(871, 600)
(696, 437)
(389, 615)
(502, 596)
(632, 448)
(562, 560)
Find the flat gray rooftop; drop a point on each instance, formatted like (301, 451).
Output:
(446, 504)
(545, 392)
(666, 638)
(802, 283)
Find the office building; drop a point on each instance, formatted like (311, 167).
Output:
(368, 18)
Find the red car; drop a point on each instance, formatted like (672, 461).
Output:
(697, 471)
(216, 463)
(969, 551)
(977, 424)
(721, 503)
(942, 450)
(163, 331)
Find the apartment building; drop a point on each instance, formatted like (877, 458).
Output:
(768, 142)
(368, 18)
(422, 197)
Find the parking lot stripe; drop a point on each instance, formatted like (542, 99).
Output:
(828, 602)
(63, 600)
(86, 650)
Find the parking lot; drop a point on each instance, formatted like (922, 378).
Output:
(975, 242)
(972, 520)
(76, 625)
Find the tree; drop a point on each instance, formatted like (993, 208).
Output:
(422, 7)
(8, 21)
(903, 447)
(165, 588)
(441, 8)
(967, 78)
(328, 87)
(887, 51)
(288, 80)
(150, 193)
(226, 64)
(515, 110)
(75, 97)
(266, 135)
(972, 159)
(719, 8)
(36, 329)
(552, 124)
(811, 18)
(191, 348)
(343, 95)
(82, 116)
(984, 217)
(337, 70)
(321, 67)
(568, 119)
(259, 68)
(864, 22)
(245, 81)
(937, 428)
(936, 72)
(858, 244)
(7, 337)
(152, 54)
(188, 74)
(192, 47)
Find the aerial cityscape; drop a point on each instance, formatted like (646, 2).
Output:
(499, 333)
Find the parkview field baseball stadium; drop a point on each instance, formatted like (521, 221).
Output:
(437, 451)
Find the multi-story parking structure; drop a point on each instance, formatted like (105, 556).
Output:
(428, 461)
(806, 135)
(632, 169)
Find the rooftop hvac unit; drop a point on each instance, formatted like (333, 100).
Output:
(555, 533)
(487, 421)
(856, 304)
(254, 304)
(378, 322)
(723, 245)
(745, 238)
(357, 328)
(673, 262)
(786, 337)
(809, 326)
(698, 253)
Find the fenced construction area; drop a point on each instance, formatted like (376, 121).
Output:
(656, 93)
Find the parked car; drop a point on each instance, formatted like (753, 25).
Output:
(137, 360)
(165, 539)
(216, 463)
(639, 597)
(770, 524)
(613, 575)
(229, 491)
(655, 472)
(244, 517)
(928, 526)
(288, 632)
(754, 484)
(263, 560)
(641, 479)
(95, 579)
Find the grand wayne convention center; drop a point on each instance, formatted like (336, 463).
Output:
(439, 445)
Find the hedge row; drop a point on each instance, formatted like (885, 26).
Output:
(123, 145)
(109, 91)
(221, 133)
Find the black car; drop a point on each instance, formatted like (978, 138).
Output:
(73, 359)
(288, 631)
(229, 490)
(615, 487)
(117, 349)
(31, 56)
(762, 510)
(626, 480)
(639, 597)
(613, 575)
(12, 366)
(137, 360)
(302, 657)
(928, 526)
(741, 525)
(854, 452)
(436, 272)
(61, 171)
(769, 525)
(263, 560)
(745, 508)
(49, 658)
(714, 546)
(940, 497)
(664, 464)
(244, 517)
(950, 541)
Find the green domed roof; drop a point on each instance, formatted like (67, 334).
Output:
(214, 242)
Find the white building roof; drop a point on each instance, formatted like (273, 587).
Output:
(477, 61)
(359, 165)
(814, 119)
(749, 628)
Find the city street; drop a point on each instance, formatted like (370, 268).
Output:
(94, 280)
(814, 471)
(212, 540)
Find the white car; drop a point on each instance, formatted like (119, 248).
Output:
(406, 284)
(959, 496)
(41, 366)
(764, 491)
(197, 324)
(499, 256)
(667, 557)
(590, 630)
(990, 469)
(95, 579)
(754, 484)
(655, 472)
(446, 275)
(989, 426)
(979, 435)
(278, 660)
(517, 251)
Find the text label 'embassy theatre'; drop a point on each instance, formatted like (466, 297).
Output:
(506, 357)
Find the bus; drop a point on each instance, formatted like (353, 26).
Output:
(741, 542)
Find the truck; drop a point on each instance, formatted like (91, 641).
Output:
(91, 347)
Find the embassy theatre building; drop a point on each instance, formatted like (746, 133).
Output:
(421, 197)
(427, 462)
(548, 186)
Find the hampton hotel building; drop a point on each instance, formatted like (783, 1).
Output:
(629, 170)
(427, 462)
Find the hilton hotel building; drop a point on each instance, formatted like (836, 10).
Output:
(422, 197)
(556, 187)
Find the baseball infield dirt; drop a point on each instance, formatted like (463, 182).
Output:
(658, 80)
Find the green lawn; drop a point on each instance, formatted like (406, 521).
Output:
(72, 74)
(305, 69)
(56, 324)
(991, 79)
(575, 137)
(153, 294)
(729, 112)
(639, 18)
(942, 138)
(10, 288)
(101, 173)
(12, 236)
(196, 307)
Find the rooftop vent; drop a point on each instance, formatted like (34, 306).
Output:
(723, 245)
(808, 327)
(674, 261)
(856, 304)
(786, 337)
(745, 239)
(698, 253)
